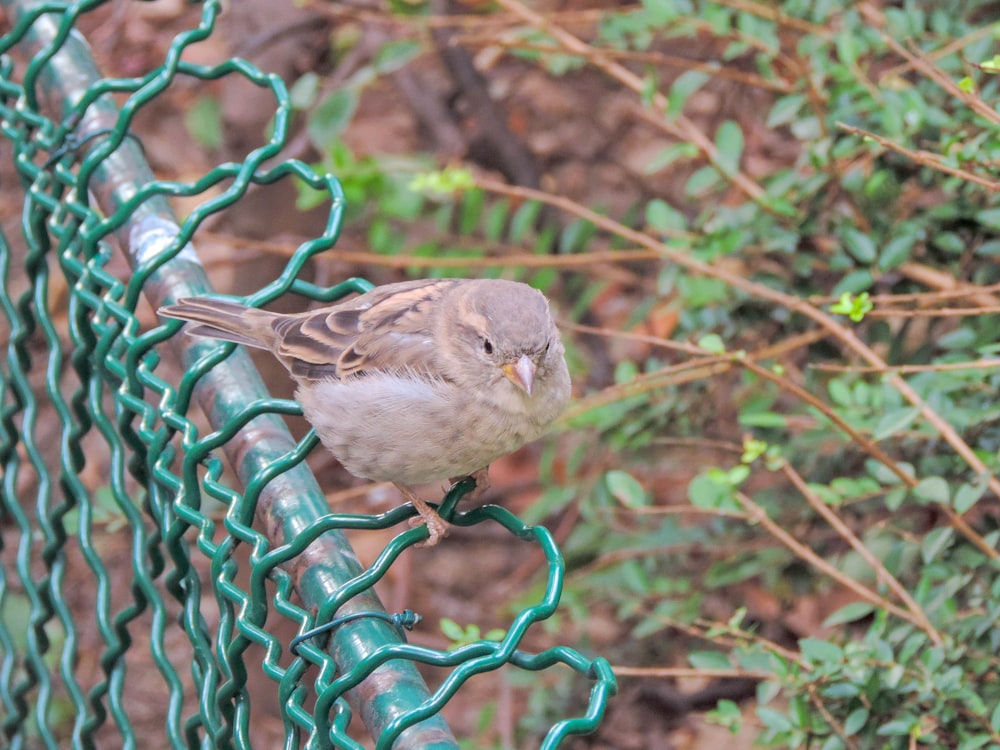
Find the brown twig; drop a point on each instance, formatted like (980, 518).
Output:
(921, 63)
(938, 312)
(942, 52)
(513, 260)
(680, 127)
(881, 572)
(817, 700)
(910, 369)
(927, 158)
(772, 13)
(652, 58)
(685, 372)
(622, 670)
(757, 513)
(494, 20)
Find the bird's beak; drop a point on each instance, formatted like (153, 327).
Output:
(521, 373)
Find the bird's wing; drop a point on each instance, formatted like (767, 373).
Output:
(386, 330)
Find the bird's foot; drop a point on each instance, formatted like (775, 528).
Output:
(437, 527)
(482, 480)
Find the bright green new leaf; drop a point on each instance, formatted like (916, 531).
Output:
(626, 489)
(712, 343)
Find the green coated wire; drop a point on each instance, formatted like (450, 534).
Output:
(218, 582)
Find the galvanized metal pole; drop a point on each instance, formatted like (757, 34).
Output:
(290, 501)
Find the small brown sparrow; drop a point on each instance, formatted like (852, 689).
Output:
(413, 382)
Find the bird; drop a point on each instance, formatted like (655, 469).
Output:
(412, 382)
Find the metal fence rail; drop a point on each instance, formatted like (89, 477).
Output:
(169, 589)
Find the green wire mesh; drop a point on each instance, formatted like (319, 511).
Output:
(199, 605)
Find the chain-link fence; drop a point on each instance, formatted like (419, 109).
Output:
(139, 587)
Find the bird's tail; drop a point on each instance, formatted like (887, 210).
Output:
(221, 319)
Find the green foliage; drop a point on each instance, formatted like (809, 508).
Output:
(444, 182)
(204, 121)
(879, 196)
(471, 633)
(853, 307)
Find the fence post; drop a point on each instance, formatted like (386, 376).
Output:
(290, 501)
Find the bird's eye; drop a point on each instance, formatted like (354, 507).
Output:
(487, 346)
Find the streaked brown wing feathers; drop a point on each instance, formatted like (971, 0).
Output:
(385, 330)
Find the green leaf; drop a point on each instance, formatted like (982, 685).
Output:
(896, 252)
(524, 221)
(950, 242)
(841, 690)
(330, 117)
(969, 494)
(935, 542)
(470, 210)
(394, 55)
(763, 419)
(849, 613)
(975, 742)
(204, 121)
(702, 182)
(960, 338)
(669, 155)
(840, 392)
(626, 489)
(712, 343)
(575, 236)
(847, 47)
(785, 110)
(446, 182)
(304, 91)
(932, 490)
(685, 85)
(451, 629)
(662, 217)
(650, 85)
(726, 713)
(773, 719)
(752, 449)
(855, 721)
(989, 217)
(895, 422)
(990, 248)
(899, 726)
(496, 220)
(709, 660)
(991, 65)
(729, 142)
(860, 246)
(855, 282)
(737, 475)
(819, 651)
(708, 492)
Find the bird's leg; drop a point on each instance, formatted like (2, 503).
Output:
(482, 479)
(437, 527)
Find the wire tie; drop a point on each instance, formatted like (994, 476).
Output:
(405, 620)
(74, 143)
